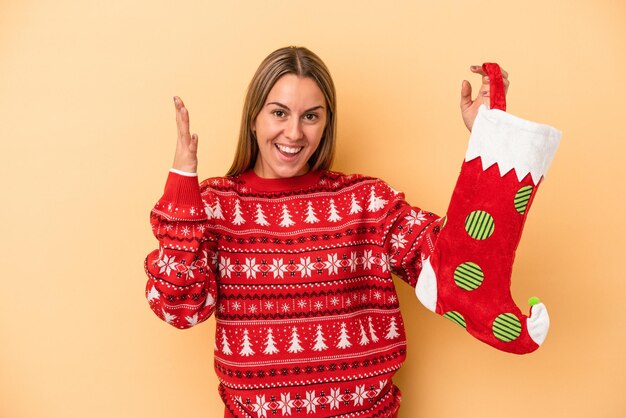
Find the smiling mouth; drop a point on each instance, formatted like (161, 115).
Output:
(288, 150)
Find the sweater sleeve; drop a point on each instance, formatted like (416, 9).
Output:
(181, 287)
(461, 264)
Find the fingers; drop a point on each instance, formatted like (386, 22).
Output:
(478, 69)
(484, 88)
(505, 78)
(182, 120)
(185, 157)
(466, 95)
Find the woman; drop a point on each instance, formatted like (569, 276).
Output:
(296, 260)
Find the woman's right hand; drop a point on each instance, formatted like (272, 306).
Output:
(186, 157)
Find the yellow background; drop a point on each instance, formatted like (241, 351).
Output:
(87, 135)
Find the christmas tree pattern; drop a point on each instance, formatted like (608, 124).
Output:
(225, 344)
(320, 341)
(208, 210)
(260, 216)
(217, 209)
(355, 205)
(310, 214)
(169, 318)
(364, 339)
(375, 202)
(192, 320)
(295, 346)
(238, 219)
(333, 214)
(392, 331)
(210, 301)
(372, 330)
(286, 220)
(153, 294)
(344, 338)
(270, 344)
(246, 346)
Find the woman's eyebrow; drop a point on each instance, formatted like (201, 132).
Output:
(287, 107)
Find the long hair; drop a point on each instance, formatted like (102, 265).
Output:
(289, 60)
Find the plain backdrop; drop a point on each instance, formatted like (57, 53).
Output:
(87, 134)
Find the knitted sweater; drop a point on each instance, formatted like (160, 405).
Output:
(299, 272)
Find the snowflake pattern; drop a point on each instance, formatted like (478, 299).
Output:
(414, 218)
(167, 264)
(279, 268)
(397, 240)
(310, 401)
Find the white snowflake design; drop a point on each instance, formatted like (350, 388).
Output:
(398, 241)
(167, 264)
(415, 218)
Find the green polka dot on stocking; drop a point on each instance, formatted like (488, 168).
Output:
(507, 327)
(521, 198)
(455, 317)
(468, 276)
(479, 224)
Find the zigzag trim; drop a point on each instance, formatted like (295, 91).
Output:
(512, 143)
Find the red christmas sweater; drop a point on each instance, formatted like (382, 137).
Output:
(298, 272)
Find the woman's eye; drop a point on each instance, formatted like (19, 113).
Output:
(310, 116)
(278, 113)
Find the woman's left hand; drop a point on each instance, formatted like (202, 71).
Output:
(469, 107)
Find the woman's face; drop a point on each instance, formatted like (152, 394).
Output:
(289, 127)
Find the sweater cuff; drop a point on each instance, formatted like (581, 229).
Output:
(183, 173)
(512, 143)
(182, 191)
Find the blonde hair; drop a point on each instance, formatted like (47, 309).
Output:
(289, 60)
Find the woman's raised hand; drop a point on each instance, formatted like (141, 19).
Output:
(186, 157)
(469, 107)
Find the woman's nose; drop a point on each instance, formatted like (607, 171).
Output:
(294, 129)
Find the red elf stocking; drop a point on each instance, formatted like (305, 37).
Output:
(468, 277)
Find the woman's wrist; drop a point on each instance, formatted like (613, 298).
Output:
(184, 172)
